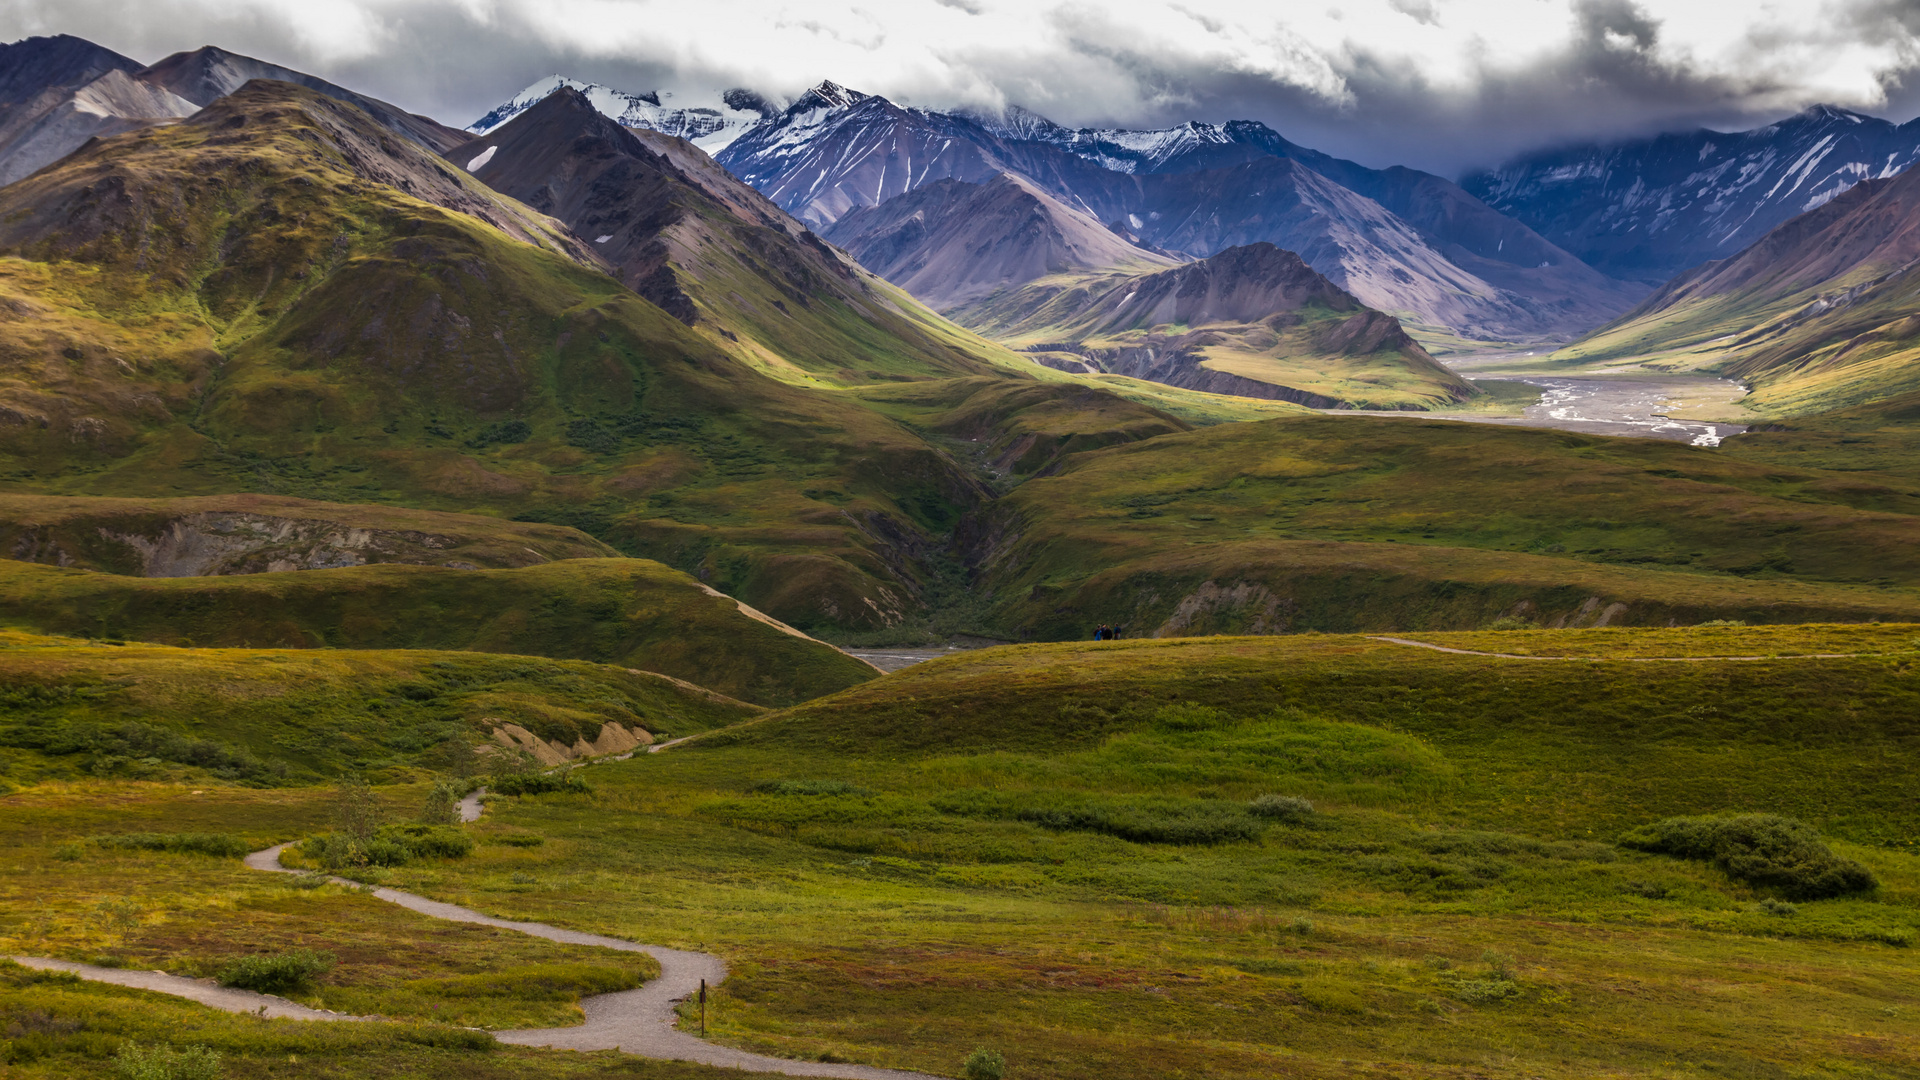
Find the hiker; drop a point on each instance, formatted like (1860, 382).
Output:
(1103, 633)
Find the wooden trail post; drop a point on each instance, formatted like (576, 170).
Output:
(703, 1008)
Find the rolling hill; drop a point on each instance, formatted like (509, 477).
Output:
(1252, 321)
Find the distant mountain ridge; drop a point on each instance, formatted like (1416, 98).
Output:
(951, 243)
(1648, 209)
(710, 125)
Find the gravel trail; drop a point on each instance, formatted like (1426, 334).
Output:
(639, 1022)
(1628, 659)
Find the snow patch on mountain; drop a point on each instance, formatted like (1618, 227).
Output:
(708, 124)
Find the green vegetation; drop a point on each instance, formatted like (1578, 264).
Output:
(628, 612)
(137, 1062)
(1763, 850)
(1073, 856)
(221, 845)
(263, 717)
(278, 973)
(940, 861)
(1348, 523)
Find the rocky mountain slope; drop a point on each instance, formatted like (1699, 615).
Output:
(951, 243)
(1817, 314)
(56, 93)
(1197, 190)
(707, 248)
(1648, 209)
(49, 126)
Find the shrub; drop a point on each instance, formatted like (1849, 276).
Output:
(429, 841)
(1764, 850)
(279, 973)
(217, 844)
(157, 1062)
(566, 782)
(502, 431)
(1778, 907)
(1201, 824)
(392, 845)
(1281, 807)
(808, 787)
(442, 805)
(356, 810)
(985, 1064)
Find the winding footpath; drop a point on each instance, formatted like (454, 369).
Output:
(1628, 659)
(639, 1022)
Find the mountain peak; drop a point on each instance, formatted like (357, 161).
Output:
(1823, 113)
(828, 95)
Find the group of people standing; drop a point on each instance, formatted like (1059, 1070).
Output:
(1106, 633)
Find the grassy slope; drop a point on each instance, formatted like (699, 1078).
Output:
(630, 612)
(1054, 310)
(1339, 523)
(393, 713)
(109, 534)
(1465, 813)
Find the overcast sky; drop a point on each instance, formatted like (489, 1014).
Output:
(1437, 84)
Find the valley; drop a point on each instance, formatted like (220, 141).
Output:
(675, 579)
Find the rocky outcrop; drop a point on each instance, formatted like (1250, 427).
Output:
(613, 739)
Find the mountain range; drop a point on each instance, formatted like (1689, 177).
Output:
(1405, 242)
(1647, 209)
(297, 290)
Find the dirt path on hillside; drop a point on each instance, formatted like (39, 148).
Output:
(1632, 659)
(639, 1022)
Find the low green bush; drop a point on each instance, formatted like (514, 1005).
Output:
(1764, 850)
(429, 841)
(1281, 807)
(808, 787)
(279, 973)
(160, 1062)
(567, 782)
(222, 845)
(985, 1064)
(1203, 823)
(391, 845)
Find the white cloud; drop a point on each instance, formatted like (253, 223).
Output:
(1437, 83)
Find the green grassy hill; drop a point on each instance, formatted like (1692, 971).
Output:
(75, 709)
(630, 612)
(1254, 313)
(1061, 852)
(229, 534)
(1337, 524)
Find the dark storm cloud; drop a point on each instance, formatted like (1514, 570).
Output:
(1607, 68)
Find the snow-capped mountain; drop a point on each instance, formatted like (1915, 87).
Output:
(1650, 208)
(711, 125)
(1403, 241)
